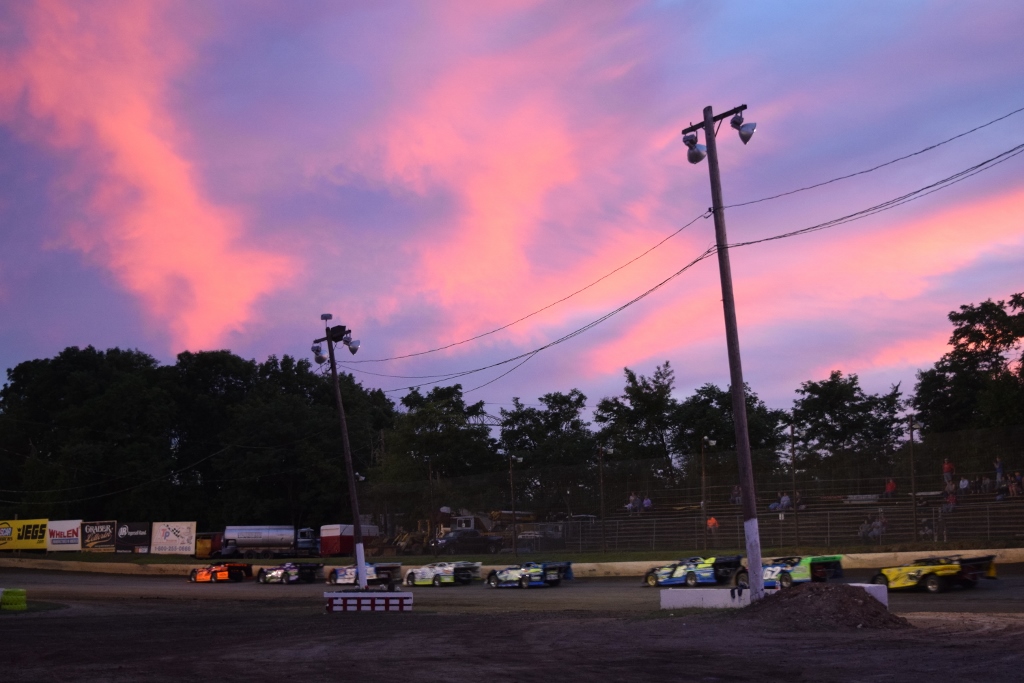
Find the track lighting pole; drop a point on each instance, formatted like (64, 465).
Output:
(739, 404)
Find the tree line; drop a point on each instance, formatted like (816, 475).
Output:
(220, 439)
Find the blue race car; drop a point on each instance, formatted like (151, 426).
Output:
(694, 571)
(530, 574)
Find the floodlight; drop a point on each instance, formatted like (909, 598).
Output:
(746, 130)
(696, 152)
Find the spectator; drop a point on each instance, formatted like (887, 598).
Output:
(976, 484)
(947, 470)
(877, 529)
(648, 505)
(774, 507)
(864, 529)
(633, 506)
(796, 501)
(736, 497)
(965, 486)
(950, 503)
(785, 502)
(712, 526)
(986, 484)
(890, 488)
(998, 465)
(1016, 484)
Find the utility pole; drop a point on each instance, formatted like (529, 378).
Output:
(913, 483)
(739, 405)
(339, 331)
(512, 493)
(792, 467)
(600, 458)
(703, 493)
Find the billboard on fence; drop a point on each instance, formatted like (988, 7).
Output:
(132, 537)
(23, 534)
(98, 537)
(173, 538)
(64, 534)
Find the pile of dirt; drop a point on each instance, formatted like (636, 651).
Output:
(817, 606)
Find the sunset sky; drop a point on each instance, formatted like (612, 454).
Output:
(206, 175)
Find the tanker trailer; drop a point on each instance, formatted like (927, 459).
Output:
(268, 541)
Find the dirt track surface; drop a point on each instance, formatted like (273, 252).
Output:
(129, 629)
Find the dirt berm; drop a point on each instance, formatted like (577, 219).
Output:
(823, 607)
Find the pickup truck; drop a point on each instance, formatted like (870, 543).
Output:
(466, 542)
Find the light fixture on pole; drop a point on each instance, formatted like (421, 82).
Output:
(739, 404)
(335, 335)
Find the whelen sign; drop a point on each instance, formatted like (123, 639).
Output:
(64, 535)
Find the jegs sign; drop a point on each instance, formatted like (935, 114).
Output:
(23, 534)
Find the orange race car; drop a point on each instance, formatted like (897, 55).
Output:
(225, 571)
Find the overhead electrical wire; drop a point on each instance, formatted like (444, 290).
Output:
(875, 168)
(674, 234)
(864, 213)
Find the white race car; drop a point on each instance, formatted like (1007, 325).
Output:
(440, 573)
(387, 574)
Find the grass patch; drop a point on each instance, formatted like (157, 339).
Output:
(35, 606)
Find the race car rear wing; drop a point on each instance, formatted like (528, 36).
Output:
(564, 569)
(979, 567)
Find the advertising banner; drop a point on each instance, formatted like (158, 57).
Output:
(64, 534)
(98, 537)
(132, 537)
(173, 538)
(23, 534)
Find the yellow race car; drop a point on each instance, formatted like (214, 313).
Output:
(936, 574)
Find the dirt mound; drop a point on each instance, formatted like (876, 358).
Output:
(816, 606)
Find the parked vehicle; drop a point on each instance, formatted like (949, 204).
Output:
(466, 541)
(224, 571)
(783, 572)
(339, 539)
(694, 571)
(443, 573)
(530, 574)
(387, 574)
(936, 574)
(266, 542)
(291, 572)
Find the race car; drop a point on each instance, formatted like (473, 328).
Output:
(290, 572)
(783, 572)
(441, 573)
(697, 570)
(387, 574)
(936, 574)
(225, 571)
(530, 574)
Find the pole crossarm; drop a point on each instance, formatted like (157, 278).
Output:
(732, 112)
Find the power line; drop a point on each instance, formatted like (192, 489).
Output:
(666, 239)
(864, 213)
(539, 310)
(875, 168)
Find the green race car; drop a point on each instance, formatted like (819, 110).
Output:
(936, 574)
(783, 572)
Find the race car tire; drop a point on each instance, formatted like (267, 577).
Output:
(934, 583)
(785, 580)
(742, 580)
(880, 580)
(192, 576)
(492, 581)
(691, 579)
(213, 577)
(524, 581)
(437, 581)
(262, 576)
(651, 580)
(333, 578)
(410, 579)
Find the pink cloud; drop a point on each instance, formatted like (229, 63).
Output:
(91, 80)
